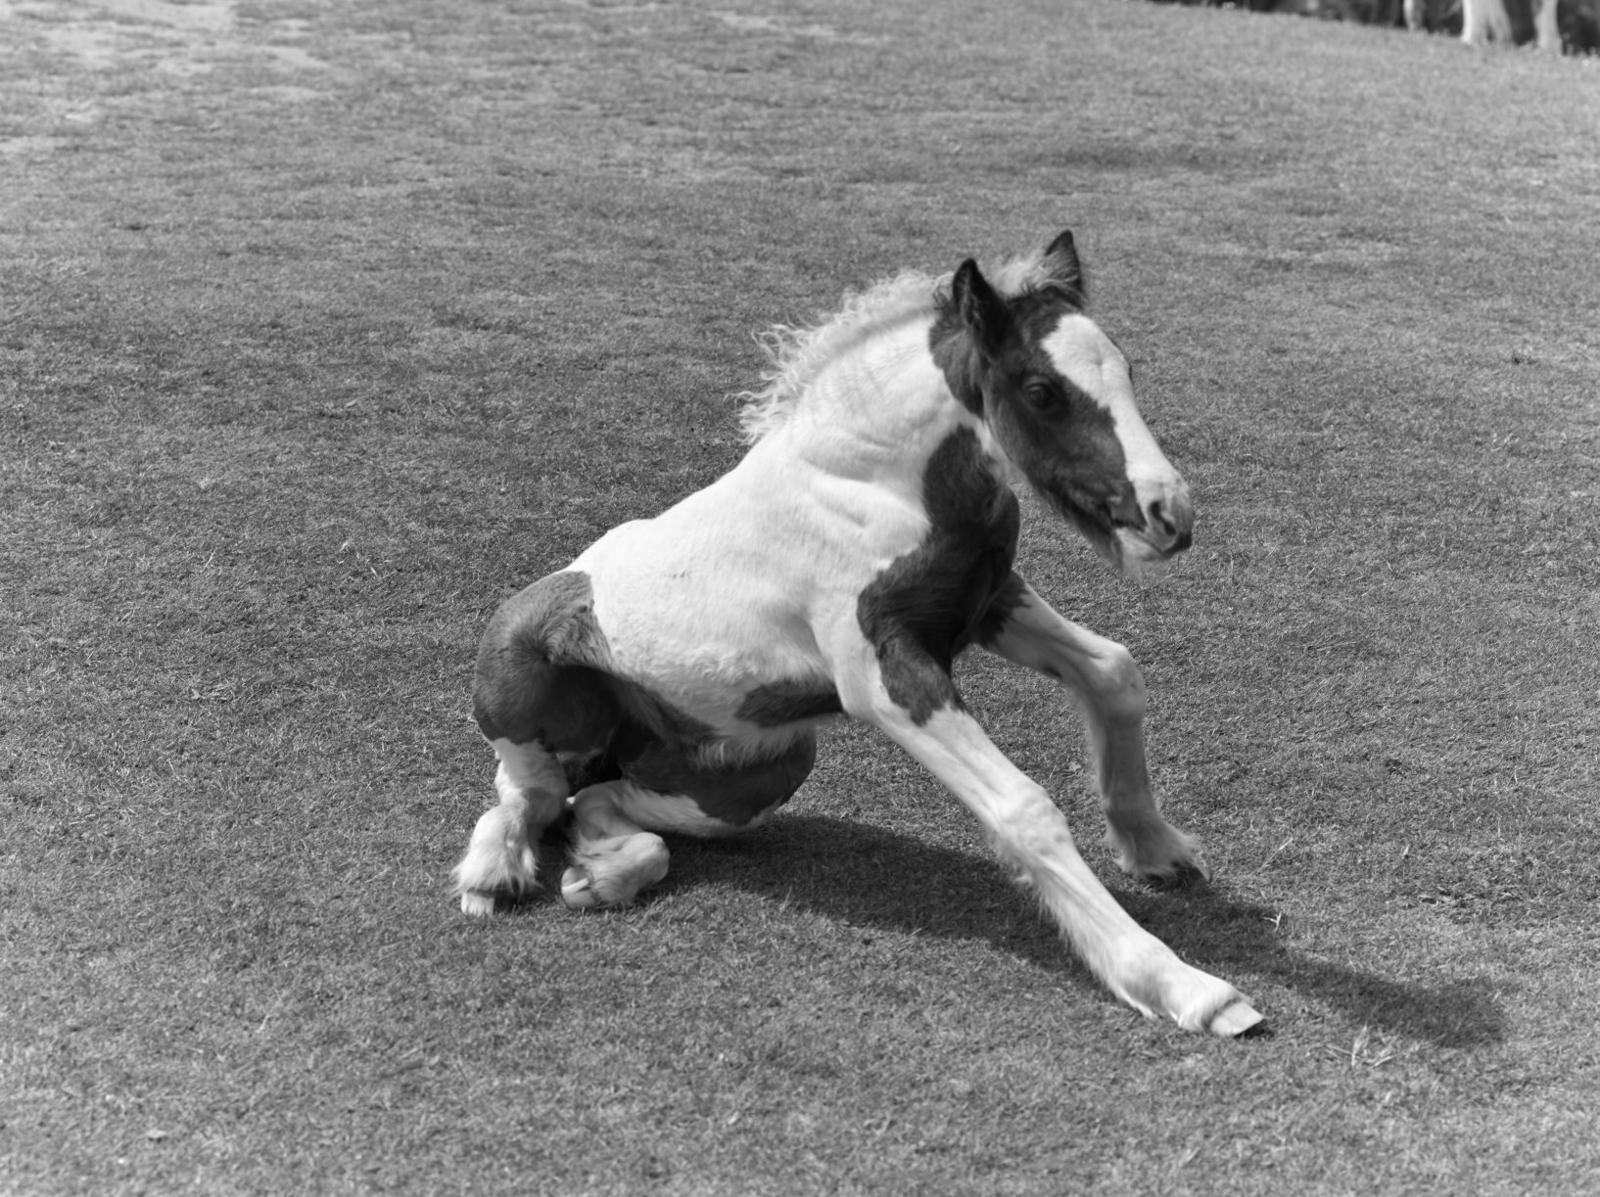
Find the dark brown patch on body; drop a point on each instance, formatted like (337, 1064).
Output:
(545, 673)
(778, 703)
(731, 794)
(930, 603)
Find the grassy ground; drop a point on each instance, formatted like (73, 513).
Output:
(322, 327)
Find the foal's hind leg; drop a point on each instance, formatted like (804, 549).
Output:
(500, 858)
(615, 854)
(613, 858)
(1109, 688)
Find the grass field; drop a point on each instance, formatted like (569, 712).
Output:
(325, 326)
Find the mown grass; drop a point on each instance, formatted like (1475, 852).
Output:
(324, 327)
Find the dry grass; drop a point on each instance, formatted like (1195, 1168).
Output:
(322, 327)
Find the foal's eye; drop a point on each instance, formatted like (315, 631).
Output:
(1043, 397)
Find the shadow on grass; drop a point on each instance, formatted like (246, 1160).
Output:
(869, 876)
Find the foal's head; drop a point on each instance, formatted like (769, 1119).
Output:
(1057, 395)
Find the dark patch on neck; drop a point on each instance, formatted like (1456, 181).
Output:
(1003, 604)
(930, 603)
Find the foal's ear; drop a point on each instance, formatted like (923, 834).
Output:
(1062, 267)
(983, 313)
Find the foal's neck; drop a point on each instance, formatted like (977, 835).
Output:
(887, 402)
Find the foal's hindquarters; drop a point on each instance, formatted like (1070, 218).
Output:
(556, 714)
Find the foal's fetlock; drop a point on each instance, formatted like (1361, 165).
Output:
(500, 863)
(612, 872)
(1149, 847)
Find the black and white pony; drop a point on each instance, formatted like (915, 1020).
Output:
(673, 677)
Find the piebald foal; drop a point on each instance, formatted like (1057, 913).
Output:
(672, 678)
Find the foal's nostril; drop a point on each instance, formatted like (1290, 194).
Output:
(1174, 522)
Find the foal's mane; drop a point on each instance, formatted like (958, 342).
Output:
(797, 355)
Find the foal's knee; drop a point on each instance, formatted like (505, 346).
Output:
(1119, 684)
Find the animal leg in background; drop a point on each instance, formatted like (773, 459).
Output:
(500, 859)
(1109, 689)
(1484, 19)
(1032, 836)
(1547, 32)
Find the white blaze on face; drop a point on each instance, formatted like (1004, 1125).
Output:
(1086, 357)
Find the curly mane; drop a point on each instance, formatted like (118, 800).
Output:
(797, 355)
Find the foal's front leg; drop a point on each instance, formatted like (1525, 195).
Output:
(918, 707)
(1109, 689)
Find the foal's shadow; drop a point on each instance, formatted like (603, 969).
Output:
(868, 876)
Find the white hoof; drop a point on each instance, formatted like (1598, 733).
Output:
(1211, 1005)
(477, 905)
(577, 890)
(1160, 985)
(1234, 1019)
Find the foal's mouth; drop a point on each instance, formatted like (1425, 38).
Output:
(1160, 528)
(1172, 546)
(1137, 555)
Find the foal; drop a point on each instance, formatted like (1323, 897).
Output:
(672, 678)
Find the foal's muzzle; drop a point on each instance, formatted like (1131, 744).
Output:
(1169, 523)
(1154, 521)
